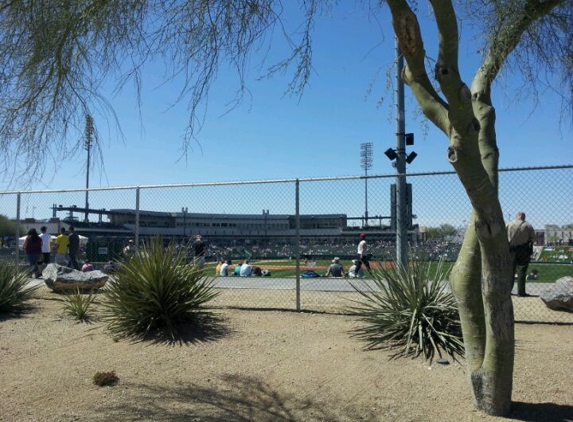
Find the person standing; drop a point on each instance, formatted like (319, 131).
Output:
(200, 250)
(33, 249)
(74, 248)
(363, 256)
(129, 250)
(46, 246)
(521, 236)
(62, 242)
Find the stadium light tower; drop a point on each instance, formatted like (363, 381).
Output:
(89, 137)
(366, 149)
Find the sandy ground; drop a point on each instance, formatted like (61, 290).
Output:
(260, 366)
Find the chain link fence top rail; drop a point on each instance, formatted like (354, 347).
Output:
(289, 227)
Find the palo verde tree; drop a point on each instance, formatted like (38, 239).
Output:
(56, 54)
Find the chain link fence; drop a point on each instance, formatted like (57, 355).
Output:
(292, 227)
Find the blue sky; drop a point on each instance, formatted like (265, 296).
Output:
(270, 136)
(273, 136)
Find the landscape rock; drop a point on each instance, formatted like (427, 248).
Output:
(60, 278)
(560, 296)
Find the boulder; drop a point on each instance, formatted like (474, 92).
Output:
(60, 278)
(560, 296)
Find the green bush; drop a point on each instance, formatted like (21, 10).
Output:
(77, 304)
(411, 310)
(14, 290)
(155, 292)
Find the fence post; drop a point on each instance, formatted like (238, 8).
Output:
(137, 193)
(18, 202)
(297, 240)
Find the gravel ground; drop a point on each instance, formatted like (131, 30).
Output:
(261, 366)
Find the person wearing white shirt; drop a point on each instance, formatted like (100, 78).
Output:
(225, 269)
(46, 245)
(363, 256)
(246, 269)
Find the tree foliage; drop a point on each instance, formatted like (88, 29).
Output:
(56, 56)
(443, 231)
(8, 227)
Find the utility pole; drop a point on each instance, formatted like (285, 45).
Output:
(401, 229)
(366, 149)
(184, 211)
(89, 135)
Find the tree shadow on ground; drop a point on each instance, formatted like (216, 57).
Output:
(232, 398)
(541, 412)
(207, 328)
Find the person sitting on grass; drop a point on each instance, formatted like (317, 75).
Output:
(533, 275)
(224, 271)
(218, 267)
(237, 271)
(335, 269)
(352, 270)
(246, 269)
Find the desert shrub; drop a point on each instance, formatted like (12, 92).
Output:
(77, 304)
(410, 310)
(14, 289)
(105, 378)
(155, 291)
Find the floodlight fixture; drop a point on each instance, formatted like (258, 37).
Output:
(391, 154)
(409, 137)
(411, 157)
(366, 150)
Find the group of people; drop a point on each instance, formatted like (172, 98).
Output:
(336, 269)
(242, 269)
(39, 247)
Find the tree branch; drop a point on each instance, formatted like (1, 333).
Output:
(407, 30)
(447, 68)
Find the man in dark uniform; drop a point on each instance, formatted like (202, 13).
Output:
(73, 248)
(521, 236)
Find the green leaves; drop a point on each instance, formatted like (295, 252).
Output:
(77, 304)
(155, 291)
(14, 290)
(411, 310)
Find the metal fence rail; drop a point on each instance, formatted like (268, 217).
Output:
(305, 223)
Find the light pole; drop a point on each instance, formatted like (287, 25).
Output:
(184, 211)
(89, 134)
(366, 149)
(403, 200)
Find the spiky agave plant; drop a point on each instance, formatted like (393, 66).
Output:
(412, 310)
(14, 289)
(156, 291)
(77, 304)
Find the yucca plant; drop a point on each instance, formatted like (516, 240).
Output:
(14, 289)
(412, 310)
(77, 304)
(155, 291)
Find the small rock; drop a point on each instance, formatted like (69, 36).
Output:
(560, 296)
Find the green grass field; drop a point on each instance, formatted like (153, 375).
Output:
(548, 271)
